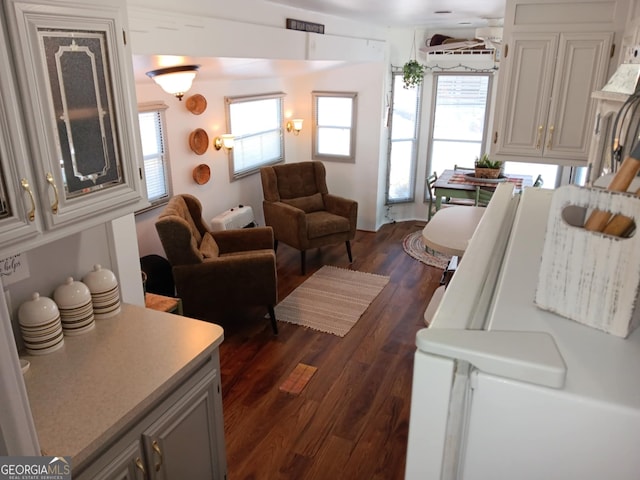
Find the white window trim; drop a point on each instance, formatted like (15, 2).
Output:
(415, 145)
(351, 157)
(161, 107)
(249, 98)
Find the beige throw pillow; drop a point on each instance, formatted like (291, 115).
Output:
(209, 247)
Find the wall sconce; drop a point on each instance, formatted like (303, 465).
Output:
(294, 126)
(175, 80)
(225, 141)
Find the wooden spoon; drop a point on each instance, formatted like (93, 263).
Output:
(619, 224)
(599, 219)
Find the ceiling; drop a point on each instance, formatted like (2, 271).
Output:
(388, 13)
(407, 13)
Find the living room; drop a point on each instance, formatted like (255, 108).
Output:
(254, 32)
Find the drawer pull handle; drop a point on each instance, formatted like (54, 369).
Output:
(54, 205)
(540, 128)
(27, 188)
(140, 467)
(550, 141)
(156, 448)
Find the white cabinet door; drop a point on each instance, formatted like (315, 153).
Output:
(545, 109)
(75, 79)
(581, 69)
(18, 215)
(185, 442)
(17, 201)
(129, 465)
(528, 74)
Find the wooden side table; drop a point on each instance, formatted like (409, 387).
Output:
(162, 303)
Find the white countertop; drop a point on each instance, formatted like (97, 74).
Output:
(99, 381)
(600, 367)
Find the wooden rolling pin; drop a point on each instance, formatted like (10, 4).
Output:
(599, 219)
(619, 224)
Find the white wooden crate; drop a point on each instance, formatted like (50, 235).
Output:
(590, 277)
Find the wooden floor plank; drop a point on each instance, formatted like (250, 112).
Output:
(351, 420)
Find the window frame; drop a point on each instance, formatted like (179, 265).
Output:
(229, 102)
(160, 108)
(396, 77)
(315, 155)
(486, 124)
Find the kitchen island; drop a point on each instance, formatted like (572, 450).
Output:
(128, 395)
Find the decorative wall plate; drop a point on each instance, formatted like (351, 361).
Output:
(196, 104)
(201, 174)
(199, 141)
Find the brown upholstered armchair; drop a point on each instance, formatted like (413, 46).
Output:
(216, 270)
(302, 212)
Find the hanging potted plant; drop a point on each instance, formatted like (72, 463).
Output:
(412, 74)
(412, 71)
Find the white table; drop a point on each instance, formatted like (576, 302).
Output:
(451, 228)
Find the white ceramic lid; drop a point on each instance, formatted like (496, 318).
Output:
(71, 294)
(100, 280)
(39, 310)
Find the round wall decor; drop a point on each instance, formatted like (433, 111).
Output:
(199, 141)
(201, 174)
(196, 104)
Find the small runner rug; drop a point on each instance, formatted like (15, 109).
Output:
(414, 247)
(331, 300)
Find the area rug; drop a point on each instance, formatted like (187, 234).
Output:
(415, 248)
(331, 300)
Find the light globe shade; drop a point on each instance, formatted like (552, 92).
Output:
(227, 141)
(175, 80)
(297, 124)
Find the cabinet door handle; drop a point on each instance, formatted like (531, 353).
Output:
(54, 205)
(156, 448)
(140, 466)
(550, 140)
(539, 140)
(27, 188)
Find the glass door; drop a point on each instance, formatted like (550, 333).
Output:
(459, 119)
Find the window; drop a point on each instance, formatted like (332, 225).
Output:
(256, 124)
(459, 119)
(403, 131)
(334, 129)
(155, 153)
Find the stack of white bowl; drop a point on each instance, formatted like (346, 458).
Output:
(105, 294)
(40, 325)
(76, 310)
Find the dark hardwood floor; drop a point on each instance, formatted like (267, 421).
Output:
(351, 420)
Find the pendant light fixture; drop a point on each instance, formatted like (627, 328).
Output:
(175, 80)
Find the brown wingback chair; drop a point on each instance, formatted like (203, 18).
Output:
(216, 270)
(302, 212)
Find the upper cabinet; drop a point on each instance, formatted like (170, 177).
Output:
(547, 110)
(544, 110)
(72, 159)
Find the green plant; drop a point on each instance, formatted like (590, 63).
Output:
(412, 74)
(485, 162)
